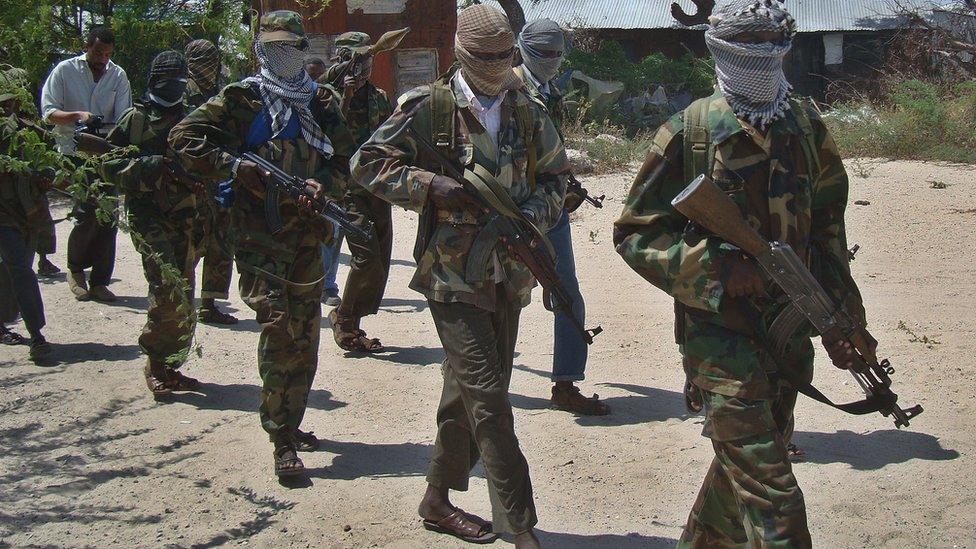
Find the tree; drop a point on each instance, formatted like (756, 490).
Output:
(515, 13)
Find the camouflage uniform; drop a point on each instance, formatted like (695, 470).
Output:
(24, 216)
(160, 210)
(217, 262)
(369, 268)
(477, 320)
(789, 195)
(281, 274)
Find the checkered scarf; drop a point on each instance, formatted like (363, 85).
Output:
(203, 62)
(750, 76)
(484, 29)
(287, 88)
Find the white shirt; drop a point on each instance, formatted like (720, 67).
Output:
(490, 118)
(71, 86)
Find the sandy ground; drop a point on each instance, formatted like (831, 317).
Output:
(88, 459)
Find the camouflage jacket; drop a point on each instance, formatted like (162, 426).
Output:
(368, 108)
(23, 197)
(148, 178)
(723, 339)
(209, 138)
(194, 96)
(389, 166)
(553, 101)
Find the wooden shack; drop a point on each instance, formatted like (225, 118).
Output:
(424, 54)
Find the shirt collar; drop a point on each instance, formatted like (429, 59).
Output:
(470, 99)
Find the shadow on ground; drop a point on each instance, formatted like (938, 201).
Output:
(607, 541)
(646, 404)
(245, 397)
(416, 356)
(873, 450)
(48, 471)
(357, 460)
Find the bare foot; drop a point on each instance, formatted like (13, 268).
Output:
(435, 505)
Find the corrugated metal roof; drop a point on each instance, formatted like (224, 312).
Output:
(811, 15)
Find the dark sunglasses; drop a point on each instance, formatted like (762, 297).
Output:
(548, 54)
(485, 56)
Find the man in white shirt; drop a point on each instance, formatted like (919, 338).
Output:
(77, 90)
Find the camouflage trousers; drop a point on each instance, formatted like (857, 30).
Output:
(369, 267)
(165, 245)
(291, 317)
(750, 497)
(217, 263)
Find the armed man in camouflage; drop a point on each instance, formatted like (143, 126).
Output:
(161, 207)
(365, 107)
(775, 158)
(284, 117)
(24, 216)
(482, 120)
(542, 44)
(203, 65)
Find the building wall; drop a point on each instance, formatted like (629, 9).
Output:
(432, 23)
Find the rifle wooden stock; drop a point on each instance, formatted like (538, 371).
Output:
(92, 144)
(705, 204)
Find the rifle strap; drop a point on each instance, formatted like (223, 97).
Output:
(491, 191)
(858, 408)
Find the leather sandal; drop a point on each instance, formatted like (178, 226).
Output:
(693, 399)
(569, 399)
(287, 464)
(9, 337)
(158, 387)
(176, 381)
(463, 526)
(350, 338)
(306, 441)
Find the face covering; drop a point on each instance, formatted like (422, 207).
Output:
(286, 89)
(539, 38)
(167, 79)
(750, 76)
(169, 92)
(486, 31)
(203, 63)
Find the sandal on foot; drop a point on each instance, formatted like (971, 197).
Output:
(352, 339)
(795, 453)
(39, 349)
(8, 337)
(693, 399)
(306, 441)
(208, 315)
(571, 400)
(286, 461)
(158, 387)
(176, 381)
(463, 526)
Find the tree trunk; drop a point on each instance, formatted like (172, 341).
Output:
(516, 16)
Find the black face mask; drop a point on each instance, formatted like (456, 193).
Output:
(167, 93)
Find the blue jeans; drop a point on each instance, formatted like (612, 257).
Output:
(330, 260)
(17, 254)
(569, 350)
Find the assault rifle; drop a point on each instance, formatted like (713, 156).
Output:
(524, 242)
(576, 187)
(705, 204)
(294, 186)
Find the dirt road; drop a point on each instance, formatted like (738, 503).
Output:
(88, 459)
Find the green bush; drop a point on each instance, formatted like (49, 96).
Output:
(676, 75)
(917, 120)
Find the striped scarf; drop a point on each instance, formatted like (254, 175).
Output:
(750, 76)
(286, 89)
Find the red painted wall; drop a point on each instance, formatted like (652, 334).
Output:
(432, 23)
